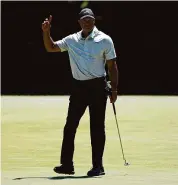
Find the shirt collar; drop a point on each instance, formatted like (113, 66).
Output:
(92, 34)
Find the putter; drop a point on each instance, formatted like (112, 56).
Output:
(125, 162)
(109, 90)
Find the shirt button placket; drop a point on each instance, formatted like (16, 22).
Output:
(85, 45)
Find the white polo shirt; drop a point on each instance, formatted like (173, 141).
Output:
(88, 56)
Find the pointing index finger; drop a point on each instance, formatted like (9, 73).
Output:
(50, 18)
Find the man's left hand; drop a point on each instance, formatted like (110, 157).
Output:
(113, 98)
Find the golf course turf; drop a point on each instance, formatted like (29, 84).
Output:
(32, 132)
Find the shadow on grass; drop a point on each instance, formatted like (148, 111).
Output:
(57, 177)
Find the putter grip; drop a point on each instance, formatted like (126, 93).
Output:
(114, 108)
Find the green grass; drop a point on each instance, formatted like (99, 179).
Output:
(32, 131)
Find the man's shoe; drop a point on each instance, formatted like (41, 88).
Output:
(96, 171)
(63, 169)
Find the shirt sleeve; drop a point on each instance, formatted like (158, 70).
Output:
(62, 44)
(110, 52)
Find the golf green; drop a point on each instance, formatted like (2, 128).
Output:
(32, 132)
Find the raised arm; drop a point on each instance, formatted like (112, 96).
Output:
(49, 44)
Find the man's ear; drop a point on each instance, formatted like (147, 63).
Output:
(79, 22)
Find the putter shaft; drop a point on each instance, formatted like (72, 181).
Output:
(114, 108)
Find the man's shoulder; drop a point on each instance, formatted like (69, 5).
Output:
(73, 36)
(102, 36)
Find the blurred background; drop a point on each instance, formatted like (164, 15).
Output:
(145, 35)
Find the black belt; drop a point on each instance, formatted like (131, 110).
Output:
(91, 80)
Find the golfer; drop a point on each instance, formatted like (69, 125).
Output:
(89, 50)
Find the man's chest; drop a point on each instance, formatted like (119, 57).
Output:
(88, 47)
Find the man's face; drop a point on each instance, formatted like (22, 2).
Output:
(87, 24)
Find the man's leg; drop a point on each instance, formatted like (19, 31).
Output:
(77, 107)
(97, 108)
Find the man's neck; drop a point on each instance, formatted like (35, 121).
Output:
(85, 34)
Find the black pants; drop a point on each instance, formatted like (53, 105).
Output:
(90, 93)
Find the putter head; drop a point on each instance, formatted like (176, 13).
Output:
(126, 164)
